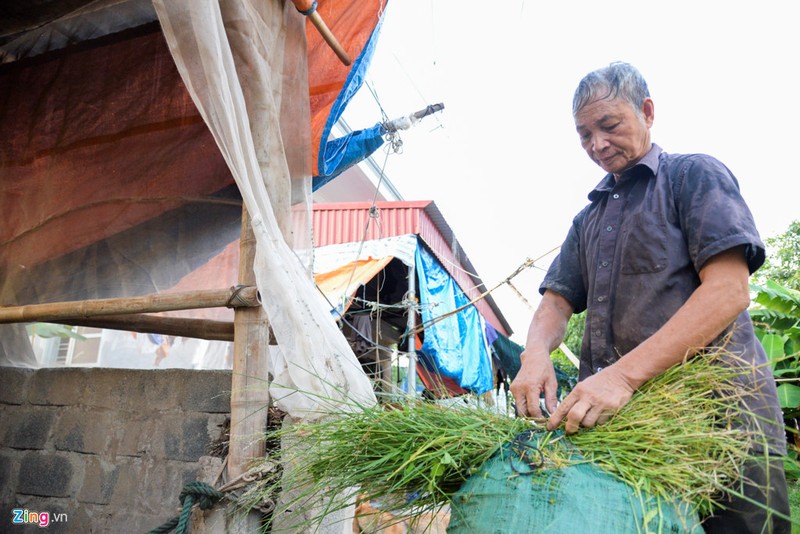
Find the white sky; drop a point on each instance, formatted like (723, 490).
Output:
(503, 162)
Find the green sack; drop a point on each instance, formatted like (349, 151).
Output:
(511, 493)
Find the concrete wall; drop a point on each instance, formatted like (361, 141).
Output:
(109, 448)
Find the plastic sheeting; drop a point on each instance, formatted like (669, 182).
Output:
(110, 183)
(340, 269)
(339, 286)
(102, 140)
(330, 257)
(332, 84)
(445, 366)
(456, 343)
(510, 493)
(230, 62)
(357, 25)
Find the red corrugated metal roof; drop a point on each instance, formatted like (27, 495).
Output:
(345, 222)
(352, 222)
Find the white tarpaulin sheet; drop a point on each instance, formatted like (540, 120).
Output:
(232, 65)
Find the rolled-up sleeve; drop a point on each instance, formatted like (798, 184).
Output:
(565, 273)
(711, 206)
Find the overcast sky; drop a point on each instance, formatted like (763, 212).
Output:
(503, 162)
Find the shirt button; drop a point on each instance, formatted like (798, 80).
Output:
(598, 333)
(604, 264)
(616, 195)
(609, 228)
(600, 299)
(599, 369)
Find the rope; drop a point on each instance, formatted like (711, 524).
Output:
(193, 493)
(521, 449)
(520, 295)
(235, 299)
(525, 265)
(374, 215)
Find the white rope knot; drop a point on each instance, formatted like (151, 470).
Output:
(395, 143)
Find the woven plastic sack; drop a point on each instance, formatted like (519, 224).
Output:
(511, 496)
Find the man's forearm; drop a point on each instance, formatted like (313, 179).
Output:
(549, 324)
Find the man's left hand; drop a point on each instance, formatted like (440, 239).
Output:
(593, 401)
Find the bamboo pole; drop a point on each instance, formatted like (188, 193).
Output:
(250, 381)
(309, 9)
(411, 377)
(156, 324)
(169, 326)
(234, 297)
(329, 38)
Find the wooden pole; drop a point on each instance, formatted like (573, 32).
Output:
(168, 326)
(250, 382)
(411, 377)
(329, 38)
(309, 9)
(156, 324)
(234, 297)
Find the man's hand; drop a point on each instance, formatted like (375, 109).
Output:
(592, 401)
(536, 375)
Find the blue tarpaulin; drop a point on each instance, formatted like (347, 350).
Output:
(337, 155)
(455, 344)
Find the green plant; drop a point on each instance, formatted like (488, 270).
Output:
(783, 260)
(776, 318)
(794, 504)
(574, 334)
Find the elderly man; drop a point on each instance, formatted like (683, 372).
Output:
(660, 258)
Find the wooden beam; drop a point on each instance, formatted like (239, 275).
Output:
(156, 324)
(234, 297)
(168, 326)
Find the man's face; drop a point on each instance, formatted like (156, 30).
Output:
(614, 135)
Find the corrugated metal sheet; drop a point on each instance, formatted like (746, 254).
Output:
(352, 222)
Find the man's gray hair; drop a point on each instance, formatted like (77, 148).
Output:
(618, 80)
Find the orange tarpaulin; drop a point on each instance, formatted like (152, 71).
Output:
(102, 142)
(97, 140)
(340, 285)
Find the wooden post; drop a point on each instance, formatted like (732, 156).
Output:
(250, 382)
(411, 378)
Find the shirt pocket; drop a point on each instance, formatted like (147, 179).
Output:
(644, 244)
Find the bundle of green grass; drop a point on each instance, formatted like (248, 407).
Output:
(675, 442)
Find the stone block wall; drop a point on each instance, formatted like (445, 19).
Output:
(104, 450)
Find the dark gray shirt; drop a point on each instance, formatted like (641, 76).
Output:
(632, 257)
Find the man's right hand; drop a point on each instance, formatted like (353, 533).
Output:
(536, 375)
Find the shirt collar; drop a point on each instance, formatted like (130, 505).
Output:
(648, 163)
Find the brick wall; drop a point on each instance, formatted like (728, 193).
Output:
(109, 448)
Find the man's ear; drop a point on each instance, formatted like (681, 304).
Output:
(648, 111)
